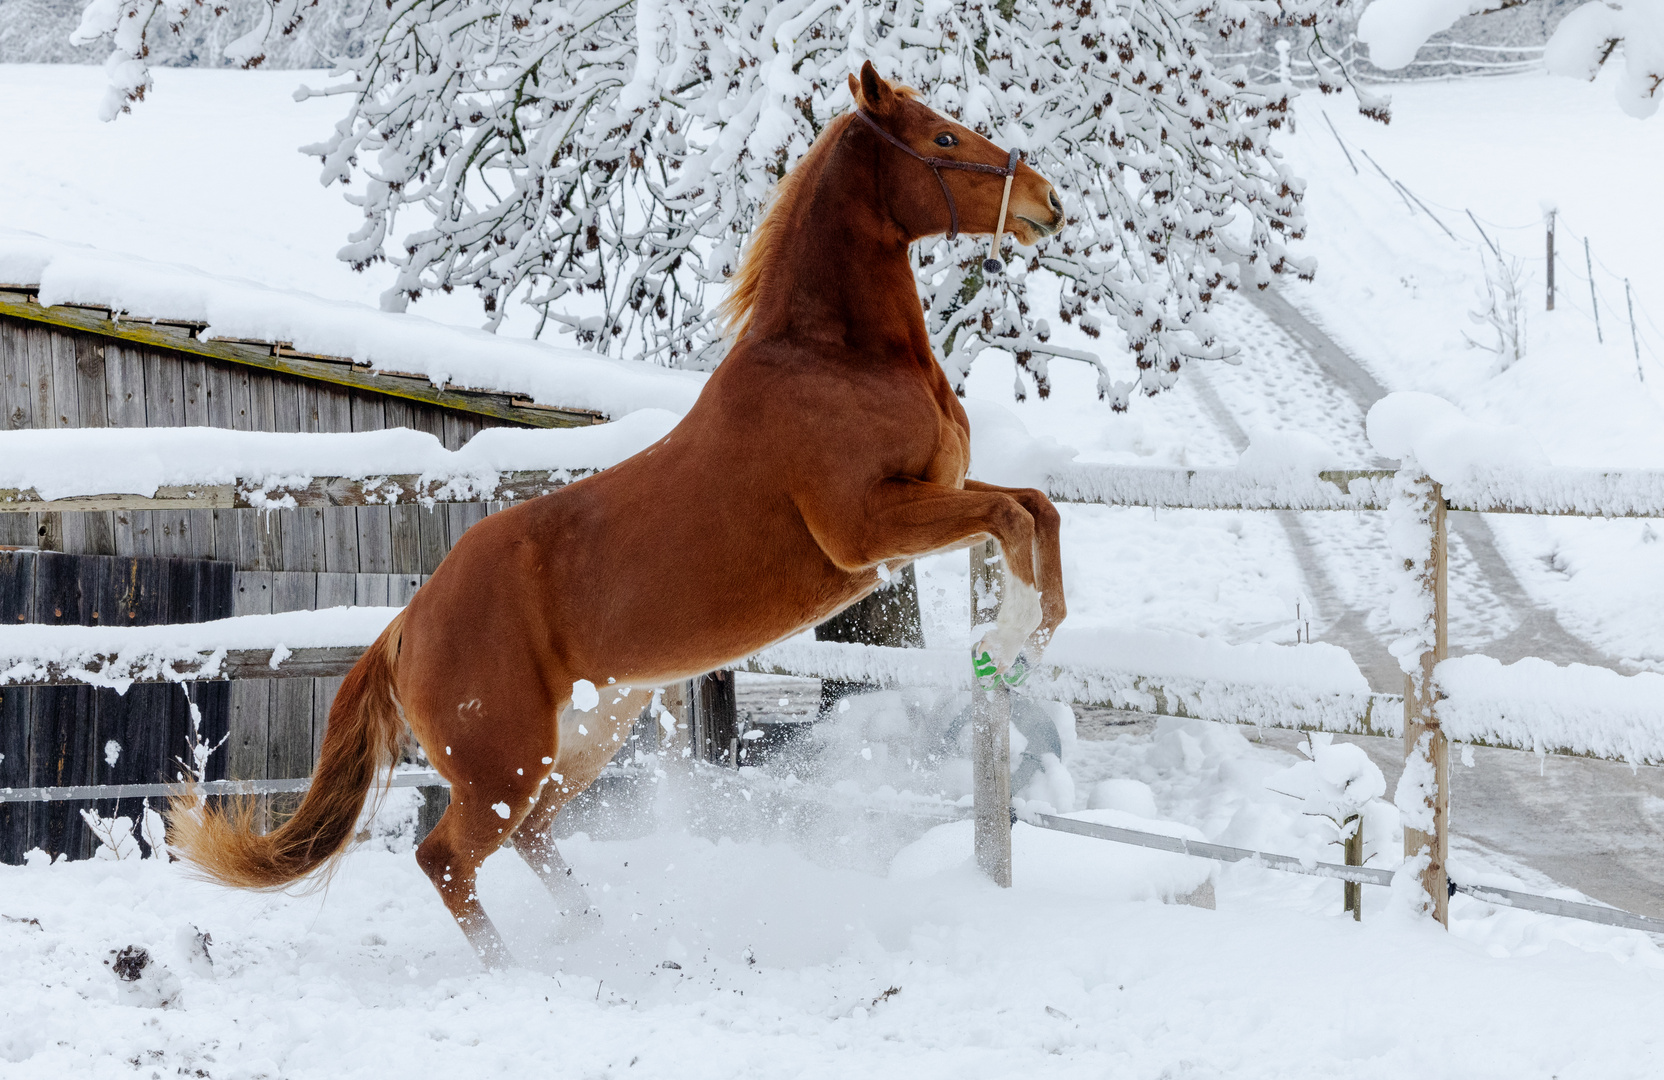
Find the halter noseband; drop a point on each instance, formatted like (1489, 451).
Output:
(992, 265)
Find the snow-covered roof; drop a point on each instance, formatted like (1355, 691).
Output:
(140, 289)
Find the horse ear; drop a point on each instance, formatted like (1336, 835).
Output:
(876, 95)
(855, 90)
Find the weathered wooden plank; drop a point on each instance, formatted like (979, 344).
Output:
(66, 590)
(303, 540)
(136, 533)
(458, 430)
(487, 404)
(289, 731)
(340, 548)
(262, 403)
(248, 722)
(17, 530)
(60, 753)
(433, 537)
(371, 590)
(259, 539)
(401, 587)
(222, 404)
(14, 381)
(294, 590)
(124, 397)
(337, 590)
(251, 592)
(462, 517)
(92, 392)
(374, 524)
(239, 401)
(91, 533)
(164, 390)
(17, 586)
(251, 699)
(125, 592)
(66, 382)
(404, 539)
(16, 703)
(38, 344)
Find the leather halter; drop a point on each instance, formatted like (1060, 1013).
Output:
(937, 164)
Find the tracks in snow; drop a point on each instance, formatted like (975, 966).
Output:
(1316, 387)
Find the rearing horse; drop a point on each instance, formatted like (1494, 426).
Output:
(826, 446)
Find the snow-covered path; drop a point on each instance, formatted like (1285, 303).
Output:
(1296, 377)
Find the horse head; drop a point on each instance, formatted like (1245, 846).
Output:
(968, 189)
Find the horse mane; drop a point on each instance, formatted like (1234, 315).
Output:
(768, 243)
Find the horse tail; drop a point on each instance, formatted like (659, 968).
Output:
(363, 737)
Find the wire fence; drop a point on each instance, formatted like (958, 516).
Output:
(1603, 289)
(1275, 61)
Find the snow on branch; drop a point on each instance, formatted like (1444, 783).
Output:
(603, 161)
(1583, 41)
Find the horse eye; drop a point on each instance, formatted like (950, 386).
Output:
(945, 139)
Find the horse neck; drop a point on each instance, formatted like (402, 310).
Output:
(843, 277)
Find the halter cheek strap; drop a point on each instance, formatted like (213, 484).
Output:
(992, 265)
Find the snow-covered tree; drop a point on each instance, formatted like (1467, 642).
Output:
(602, 161)
(1581, 44)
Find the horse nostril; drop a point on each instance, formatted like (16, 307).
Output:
(1057, 205)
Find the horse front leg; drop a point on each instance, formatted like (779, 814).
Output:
(902, 518)
(1048, 555)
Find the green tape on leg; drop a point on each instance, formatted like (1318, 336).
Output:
(983, 666)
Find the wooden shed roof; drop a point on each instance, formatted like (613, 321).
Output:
(21, 302)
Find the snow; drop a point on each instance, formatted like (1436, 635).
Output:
(1534, 703)
(115, 656)
(1440, 439)
(142, 289)
(1336, 782)
(797, 954)
(64, 463)
(1395, 29)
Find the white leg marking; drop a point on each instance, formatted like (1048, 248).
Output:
(1019, 617)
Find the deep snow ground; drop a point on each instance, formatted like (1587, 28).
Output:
(785, 952)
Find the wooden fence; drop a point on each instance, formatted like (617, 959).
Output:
(1584, 492)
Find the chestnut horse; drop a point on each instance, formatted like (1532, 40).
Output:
(826, 448)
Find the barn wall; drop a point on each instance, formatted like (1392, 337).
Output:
(50, 378)
(285, 560)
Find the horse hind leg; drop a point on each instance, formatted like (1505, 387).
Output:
(471, 828)
(589, 739)
(534, 844)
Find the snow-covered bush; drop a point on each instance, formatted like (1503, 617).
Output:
(1336, 782)
(1502, 308)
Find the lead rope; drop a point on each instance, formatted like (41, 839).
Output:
(992, 264)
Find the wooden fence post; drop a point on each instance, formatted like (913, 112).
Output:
(990, 730)
(1421, 697)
